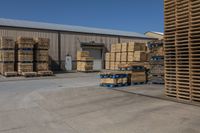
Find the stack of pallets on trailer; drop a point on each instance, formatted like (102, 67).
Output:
(125, 53)
(7, 56)
(41, 57)
(182, 44)
(114, 79)
(25, 47)
(84, 61)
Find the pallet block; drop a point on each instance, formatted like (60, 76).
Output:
(118, 57)
(25, 42)
(118, 48)
(113, 48)
(42, 43)
(107, 57)
(42, 55)
(107, 65)
(25, 55)
(81, 54)
(124, 47)
(7, 55)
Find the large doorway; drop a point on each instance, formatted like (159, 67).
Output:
(96, 51)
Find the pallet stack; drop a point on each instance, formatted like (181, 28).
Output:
(41, 57)
(25, 47)
(156, 71)
(125, 53)
(156, 61)
(114, 79)
(137, 72)
(7, 56)
(182, 44)
(156, 48)
(84, 61)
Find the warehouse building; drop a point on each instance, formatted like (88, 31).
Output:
(156, 35)
(65, 40)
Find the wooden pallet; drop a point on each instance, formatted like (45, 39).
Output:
(10, 74)
(25, 42)
(29, 74)
(114, 85)
(45, 73)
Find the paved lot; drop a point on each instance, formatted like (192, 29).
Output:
(73, 103)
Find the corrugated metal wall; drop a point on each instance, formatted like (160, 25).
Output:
(128, 39)
(69, 43)
(53, 36)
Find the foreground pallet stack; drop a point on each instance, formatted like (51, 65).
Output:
(182, 47)
(7, 56)
(41, 59)
(25, 47)
(114, 79)
(84, 61)
(125, 53)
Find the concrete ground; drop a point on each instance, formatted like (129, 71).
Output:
(74, 103)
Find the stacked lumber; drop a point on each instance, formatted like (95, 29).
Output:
(182, 45)
(84, 61)
(114, 79)
(7, 56)
(25, 47)
(124, 53)
(41, 61)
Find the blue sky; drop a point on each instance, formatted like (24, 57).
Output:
(129, 15)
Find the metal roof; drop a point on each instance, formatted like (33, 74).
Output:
(155, 32)
(60, 27)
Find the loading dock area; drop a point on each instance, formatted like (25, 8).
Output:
(74, 103)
